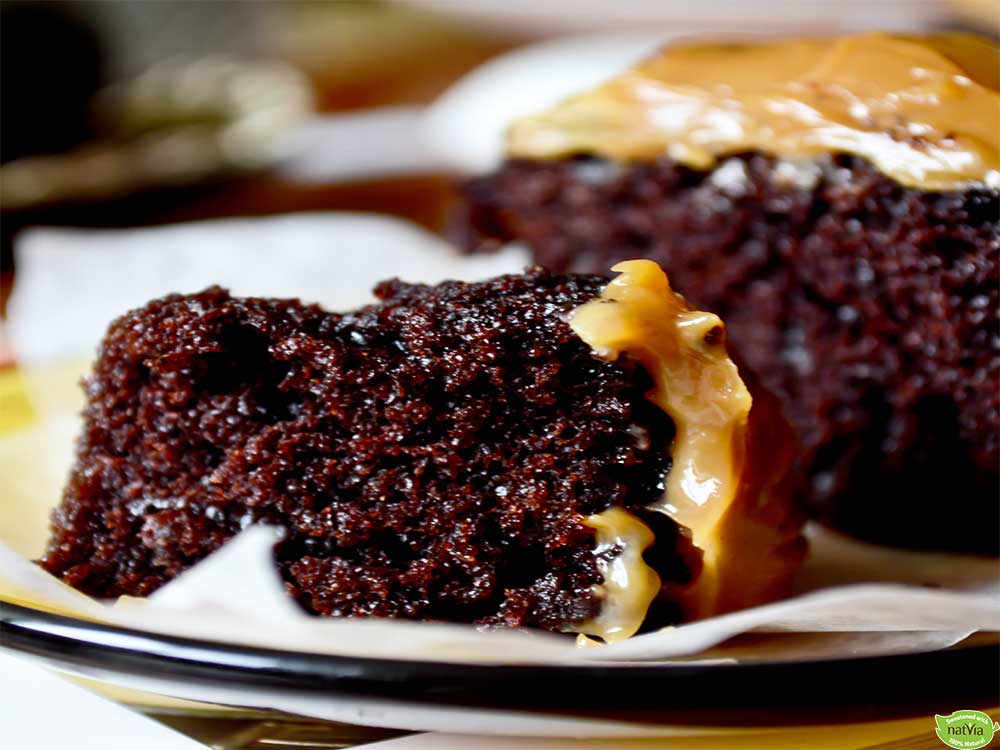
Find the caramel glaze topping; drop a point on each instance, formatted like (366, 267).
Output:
(924, 110)
(725, 486)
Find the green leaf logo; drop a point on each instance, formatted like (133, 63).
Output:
(965, 729)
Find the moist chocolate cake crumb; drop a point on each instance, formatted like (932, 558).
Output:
(430, 456)
(871, 309)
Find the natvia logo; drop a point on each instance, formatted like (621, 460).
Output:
(966, 730)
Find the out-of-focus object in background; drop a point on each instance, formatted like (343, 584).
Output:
(45, 96)
(374, 54)
(979, 15)
(172, 125)
(707, 16)
(196, 138)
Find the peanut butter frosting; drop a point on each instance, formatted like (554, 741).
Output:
(725, 487)
(630, 585)
(925, 110)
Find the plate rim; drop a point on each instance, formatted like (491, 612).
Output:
(62, 639)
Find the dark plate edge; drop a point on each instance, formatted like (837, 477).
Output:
(903, 679)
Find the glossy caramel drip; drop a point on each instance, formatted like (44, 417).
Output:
(729, 500)
(924, 110)
(630, 585)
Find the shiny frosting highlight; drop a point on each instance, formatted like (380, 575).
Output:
(924, 110)
(726, 487)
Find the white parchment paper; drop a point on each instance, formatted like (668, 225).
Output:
(852, 599)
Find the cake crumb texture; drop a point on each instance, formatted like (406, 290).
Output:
(431, 456)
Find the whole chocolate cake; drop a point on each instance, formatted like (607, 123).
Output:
(837, 202)
(507, 452)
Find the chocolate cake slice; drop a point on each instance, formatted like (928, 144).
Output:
(837, 202)
(536, 450)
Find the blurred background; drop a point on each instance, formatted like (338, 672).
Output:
(149, 112)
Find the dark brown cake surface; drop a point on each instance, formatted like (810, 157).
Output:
(869, 307)
(431, 456)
